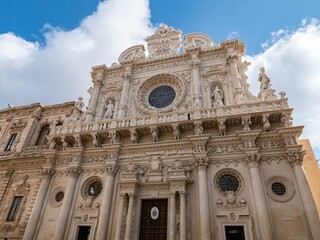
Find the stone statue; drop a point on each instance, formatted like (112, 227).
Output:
(217, 97)
(134, 136)
(198, 129)
(176, 132)
(154, 133)
(264, 79)
(109, 110)
(222, 127)
(265, 123)
(79, 105)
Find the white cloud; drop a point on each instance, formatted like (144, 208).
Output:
(232, 35)
(59, 71)
(292, 62)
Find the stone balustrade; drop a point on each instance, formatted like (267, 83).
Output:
(173, 117)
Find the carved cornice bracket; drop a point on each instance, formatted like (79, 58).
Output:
(249, 138)
(290, 135)
(199, 143)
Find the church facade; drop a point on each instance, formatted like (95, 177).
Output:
(173, 145)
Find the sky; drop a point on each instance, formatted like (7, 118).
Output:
(47, 48)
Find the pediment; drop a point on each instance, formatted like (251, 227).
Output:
(195, 40)
(132, 54)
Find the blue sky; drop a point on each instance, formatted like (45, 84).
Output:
(47, 48)
(252, 20)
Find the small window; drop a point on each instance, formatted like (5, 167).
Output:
(14, 208)
(278, 188)
(42, 140)
(11, 141)
(59, 196)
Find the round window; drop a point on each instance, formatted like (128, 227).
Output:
(228, 183)
(56, 196)
(228, 180)
(162, 96)
(94, 189)
(278, 188)
(59, 196)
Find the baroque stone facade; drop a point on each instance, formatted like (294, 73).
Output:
(173, 145)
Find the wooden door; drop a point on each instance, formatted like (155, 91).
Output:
(153, 224)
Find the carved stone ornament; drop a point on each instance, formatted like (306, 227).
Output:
(295, 158)
(201, 163)
(146, 87)
(197, 40)
(155, 164)
(132, 54)
(164, 42)
(253, 160)
(47, 171)
(74, 171)
(222, 127)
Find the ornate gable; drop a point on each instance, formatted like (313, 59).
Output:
(164, 42)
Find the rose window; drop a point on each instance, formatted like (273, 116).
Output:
(162, 96)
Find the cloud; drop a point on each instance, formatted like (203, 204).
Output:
(292, 61)
(59, 70)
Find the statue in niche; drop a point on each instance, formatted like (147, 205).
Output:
(217, 97)
(264, 80)
(79, 105)
(109, 110)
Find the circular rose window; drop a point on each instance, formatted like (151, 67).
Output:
(160, 93)
(228, 180)
(162, 96)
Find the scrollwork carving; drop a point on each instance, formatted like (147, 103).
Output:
(253, 159)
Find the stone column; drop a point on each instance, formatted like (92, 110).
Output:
(259, 197)
(129, 217)
(195, 74)
(205, 234)
(38, 205)
(234, 77)
(106, 204)
(306, 195)
(97, 84)
(120, 214)
(172, 228)
(183, 232)
(125, 92)
(62, 222)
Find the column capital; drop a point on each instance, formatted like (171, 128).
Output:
(47, 172)
(201, 163)
(195, 63)
(295, 158)
(252, 159)
(74, 171)
(112, 169)
(232, 58)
